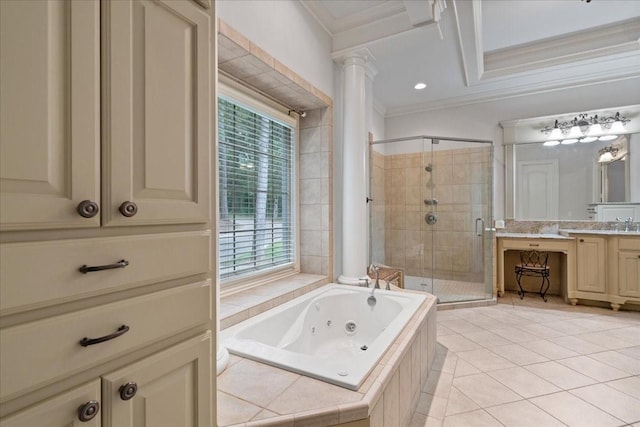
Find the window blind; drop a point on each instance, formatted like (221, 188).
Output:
(256, 170)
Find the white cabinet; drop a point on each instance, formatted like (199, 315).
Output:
(50, 113)
(629, 273)
(590, 260)
(151, 163)
(105, 217)
(169, 389)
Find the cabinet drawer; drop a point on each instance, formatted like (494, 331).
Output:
(61, 410)
(37, 274)
(537, 244)
(629, 243)
(41, 352)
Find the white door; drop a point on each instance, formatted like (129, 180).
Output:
(536, 183)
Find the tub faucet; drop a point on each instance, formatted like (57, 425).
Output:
(376, 269)
(627, 224)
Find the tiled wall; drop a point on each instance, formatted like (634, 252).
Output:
(316, 195)
(461, 182)
(378, 193)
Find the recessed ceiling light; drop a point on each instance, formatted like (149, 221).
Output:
(420, 86)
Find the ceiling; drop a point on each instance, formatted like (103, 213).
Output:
(472, 51)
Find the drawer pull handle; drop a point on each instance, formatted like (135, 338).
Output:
(128, 390)
(128, 209)
(581, 240)
(534, 245)
(87, 209)
(120, 264)
(88, 411)
(91, 341)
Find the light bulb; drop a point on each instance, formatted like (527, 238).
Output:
(551, 143)
(588, 139)
(569, 141)
(607, 137)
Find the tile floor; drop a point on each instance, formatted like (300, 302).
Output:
(527, 363)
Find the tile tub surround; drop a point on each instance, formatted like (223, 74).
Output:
(255, 394)
(528, 363)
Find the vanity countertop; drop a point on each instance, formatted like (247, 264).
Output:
(532, 236)
(567, 232)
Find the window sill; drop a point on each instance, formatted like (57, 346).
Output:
(248, 303)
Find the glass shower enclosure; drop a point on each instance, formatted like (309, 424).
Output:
(431, 214)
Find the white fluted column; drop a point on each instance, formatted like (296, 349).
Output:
(354, 173)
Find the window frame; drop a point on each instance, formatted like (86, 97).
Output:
(247, 98)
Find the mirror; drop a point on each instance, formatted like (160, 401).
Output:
(570, 182)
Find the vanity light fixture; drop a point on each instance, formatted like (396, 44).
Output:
(584, 128)
(612, 153)
(420, 86)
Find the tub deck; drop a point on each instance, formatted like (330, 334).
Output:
(255, 394)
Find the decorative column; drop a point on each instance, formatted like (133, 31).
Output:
(355, 233)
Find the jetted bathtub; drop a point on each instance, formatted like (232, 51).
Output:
(333, 333)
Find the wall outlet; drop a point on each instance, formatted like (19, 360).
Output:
(499, 223)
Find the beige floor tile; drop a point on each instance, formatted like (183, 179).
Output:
(514, 334)
(485, 360)
(541, 331)
(606, 339)
(443, 330)
(421, 420)
(618, 360)
(306, 394)
(574, 411)
(568, 328)
(519, 355)
(631, 352)
(486, 339)
(560, 375)
(523, 382)
(457, 343)
(460, 326)
(578, 345)
(484, 390)
(255, 382)
(431, 405)
(445, 362)
(459, 403)
(438, 384)
(630, 334)
(630, 385)
(234, 411)
(523, 414)
(477, 418)
(548, 349)
(264, 414)
(593, 368)
(614, 402)
(464, 368)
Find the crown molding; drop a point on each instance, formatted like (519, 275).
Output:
(478, 98)
(379, 107)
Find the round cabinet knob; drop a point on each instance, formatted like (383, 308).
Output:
(88, 411)
(581, 240)
(128, 209)
(87, 209)
(128, 390)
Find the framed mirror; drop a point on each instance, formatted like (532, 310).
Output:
(576, 181)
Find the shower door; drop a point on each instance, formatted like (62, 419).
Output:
(431, 215)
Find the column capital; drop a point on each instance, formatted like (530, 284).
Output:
(355, 56)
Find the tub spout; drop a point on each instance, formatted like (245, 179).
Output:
(372, 298)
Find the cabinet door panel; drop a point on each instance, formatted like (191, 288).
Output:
(629, 273)
(591, 264)
(157, 134)
(59, 411)
(174, 389)
(49, 111)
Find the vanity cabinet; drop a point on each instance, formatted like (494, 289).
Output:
(590, 262)
(105, 212)
(607, 268)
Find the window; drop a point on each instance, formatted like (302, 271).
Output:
(256, 190)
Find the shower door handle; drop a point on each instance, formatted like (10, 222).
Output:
(479, 231)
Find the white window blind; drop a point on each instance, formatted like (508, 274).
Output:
(256, 170)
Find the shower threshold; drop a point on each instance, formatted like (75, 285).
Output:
(449, 291)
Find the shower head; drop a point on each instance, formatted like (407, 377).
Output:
(429, 167)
